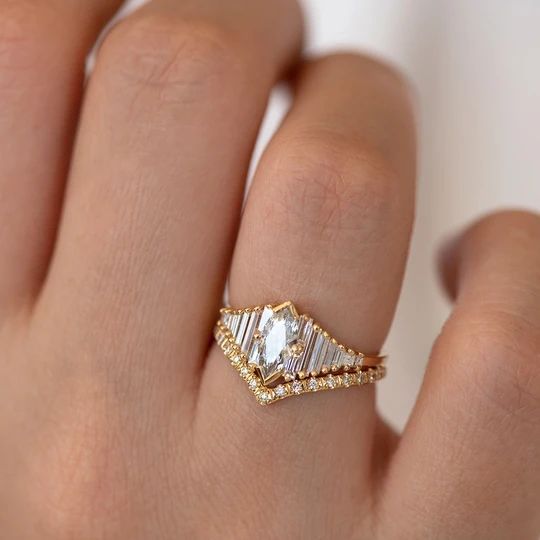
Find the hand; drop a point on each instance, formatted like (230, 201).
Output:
(118, 418)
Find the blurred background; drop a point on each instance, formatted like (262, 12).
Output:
(476, 70)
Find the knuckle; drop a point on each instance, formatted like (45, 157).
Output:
(329, 181)
(74, 480)
(77, 467)
(502, 355)
(87, 458)
(191, 57)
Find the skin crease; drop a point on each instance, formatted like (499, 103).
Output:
(118, 417)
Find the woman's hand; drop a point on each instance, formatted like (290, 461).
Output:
(118, 419)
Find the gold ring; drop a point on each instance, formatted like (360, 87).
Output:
(280, 353)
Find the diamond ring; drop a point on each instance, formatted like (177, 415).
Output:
(280, 353)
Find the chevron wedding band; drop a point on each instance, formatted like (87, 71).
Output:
(280, 353)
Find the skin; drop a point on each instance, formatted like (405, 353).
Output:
(120, 205)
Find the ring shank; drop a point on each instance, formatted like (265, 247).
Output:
(373, 360)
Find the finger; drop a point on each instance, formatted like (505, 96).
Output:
(469, 459)
(326, 225)
(167, 130)
(43, 46)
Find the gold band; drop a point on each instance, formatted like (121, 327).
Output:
(281, 353)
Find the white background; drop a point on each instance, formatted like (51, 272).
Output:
(476, 69)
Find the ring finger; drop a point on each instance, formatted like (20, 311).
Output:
(327, 226)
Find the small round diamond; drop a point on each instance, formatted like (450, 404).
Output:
(236, 359)
(265, 396)
(244, 371)
(347, 380)
(330, 381)
(313, 384)
(253, 384)
(281, 391)
(297, 387)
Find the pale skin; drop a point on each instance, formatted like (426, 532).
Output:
(118, 416)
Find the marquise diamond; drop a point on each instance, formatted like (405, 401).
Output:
(278, 331)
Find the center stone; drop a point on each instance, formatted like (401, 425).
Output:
(278, 330)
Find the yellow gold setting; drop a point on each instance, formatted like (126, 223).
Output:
(247, 335)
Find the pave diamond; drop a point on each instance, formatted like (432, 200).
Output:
(313, 384)
(244, 371)
(297, 387)
(281, 391)
(265, 396)
(278, 331)
(330, 381)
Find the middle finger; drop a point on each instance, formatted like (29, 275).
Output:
(154, 193)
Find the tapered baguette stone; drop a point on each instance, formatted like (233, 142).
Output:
(234, 325)
(317, 356)
(242, 327)
(250, 330)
